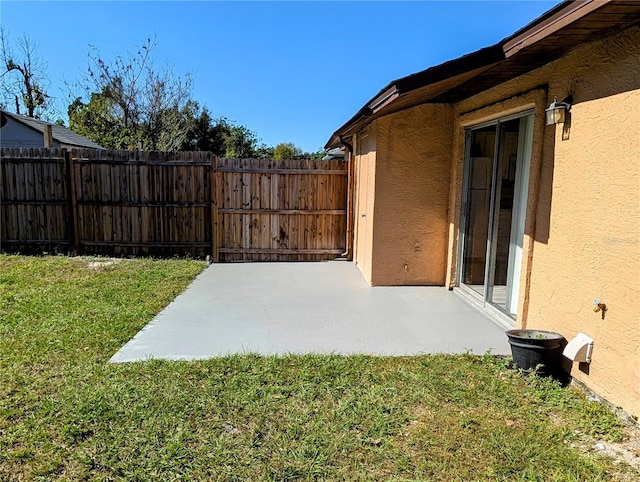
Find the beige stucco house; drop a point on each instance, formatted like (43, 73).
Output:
(458, 180)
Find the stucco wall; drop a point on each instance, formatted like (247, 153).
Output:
(582, 232)
(593, 245)
(413, 156)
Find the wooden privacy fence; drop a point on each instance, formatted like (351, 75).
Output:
(153, 203)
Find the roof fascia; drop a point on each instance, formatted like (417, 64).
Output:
(383, 99)
(451, 68)
(565, 14)
(484, 57)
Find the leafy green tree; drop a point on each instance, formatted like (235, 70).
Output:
(319, 154)
(219, 136)
(240, 142)
(204, 133)
(175, 129)
(287, 150)
(99, 121)
(264, 152)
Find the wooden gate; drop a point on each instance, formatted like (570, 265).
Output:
(269, 210)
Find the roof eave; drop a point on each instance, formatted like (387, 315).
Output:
(547, 24)
(550, 22)
(484, 57)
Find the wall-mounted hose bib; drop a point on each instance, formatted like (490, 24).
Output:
(600, 307)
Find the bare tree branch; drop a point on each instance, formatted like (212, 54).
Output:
(24, 78)
(148, 102)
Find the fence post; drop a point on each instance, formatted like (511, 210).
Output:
(215, 253)
(73, 207)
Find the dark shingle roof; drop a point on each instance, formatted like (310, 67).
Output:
(60, 134)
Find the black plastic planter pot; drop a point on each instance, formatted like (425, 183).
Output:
(536, 348)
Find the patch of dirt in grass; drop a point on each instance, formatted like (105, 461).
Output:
(627, 451)
(421, 416)
(103, 263)
(556, 419)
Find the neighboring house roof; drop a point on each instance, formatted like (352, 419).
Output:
(552, 35)
(61, 134)
(335, 153)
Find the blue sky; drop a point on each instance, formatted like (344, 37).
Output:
(290, 71)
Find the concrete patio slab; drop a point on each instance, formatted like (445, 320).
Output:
(316, 307)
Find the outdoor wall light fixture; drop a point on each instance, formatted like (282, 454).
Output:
(557, 111)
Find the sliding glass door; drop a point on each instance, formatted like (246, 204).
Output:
(493, 210)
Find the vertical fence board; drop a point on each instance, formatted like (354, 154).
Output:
(74, 220)
(32, 203)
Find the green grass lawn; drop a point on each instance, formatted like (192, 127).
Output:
(66, 414)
